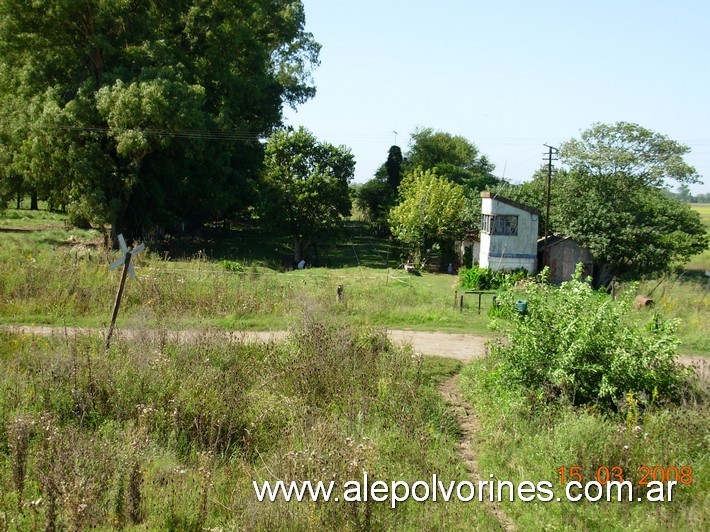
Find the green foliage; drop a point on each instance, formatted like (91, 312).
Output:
(232, 266)
(375, 198)
(478, 278)
(636, 230)
(378, 195)
(304, 189)
(612, 201)
(643, 157)
(431, 212)
(158, 433)
(524, 438)
(135, 114)
(576, 346)
(452, 157)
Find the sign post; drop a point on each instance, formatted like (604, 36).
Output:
(125, 260)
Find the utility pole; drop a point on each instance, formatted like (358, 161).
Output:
(549, 158)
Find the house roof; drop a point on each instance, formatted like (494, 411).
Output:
(508, 201)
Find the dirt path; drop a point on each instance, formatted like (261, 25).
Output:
(467, 445)
(463, 347)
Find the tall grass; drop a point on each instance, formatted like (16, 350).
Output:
(65, 287)
(161, 435)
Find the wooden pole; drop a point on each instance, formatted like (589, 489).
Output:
(117, 303)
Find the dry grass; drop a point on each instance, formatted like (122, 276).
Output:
(161, 435)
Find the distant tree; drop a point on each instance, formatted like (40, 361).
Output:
(378, 195)
(375, 198)
(431, 212)
(612, 201)
(305, 186)
(141, 113)
(452, 156)
(393, 168)
(683, 193)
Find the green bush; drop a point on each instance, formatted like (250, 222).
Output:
(478, 278)
(577, 346)
(232, 266)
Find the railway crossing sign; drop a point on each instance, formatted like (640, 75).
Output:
(124, 261)
(126, 258)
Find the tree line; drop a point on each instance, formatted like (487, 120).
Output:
(610, 195)
(132, 116)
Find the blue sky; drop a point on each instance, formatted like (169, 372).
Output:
(507, 75)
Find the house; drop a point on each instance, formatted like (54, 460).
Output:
(508, 234)
(563, 256)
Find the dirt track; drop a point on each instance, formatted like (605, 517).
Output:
(463, 347)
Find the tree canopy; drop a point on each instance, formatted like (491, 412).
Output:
(136, 113)
(431, 212)
(305, 189)
(378, 195)
(643, 157)
(612, 201)
(452, 156)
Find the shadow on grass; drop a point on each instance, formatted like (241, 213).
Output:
(358, 244)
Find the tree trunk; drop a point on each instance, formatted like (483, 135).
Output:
(298, 250)
(19, 200)
(34, 200)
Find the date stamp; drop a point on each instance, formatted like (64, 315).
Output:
(644, 474)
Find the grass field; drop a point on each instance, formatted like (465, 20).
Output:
(159, 435)
(56, 275)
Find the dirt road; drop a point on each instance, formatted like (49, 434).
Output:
(463, 347)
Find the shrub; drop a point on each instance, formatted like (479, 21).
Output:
(478, 278)
(232, 266)
(577, 346)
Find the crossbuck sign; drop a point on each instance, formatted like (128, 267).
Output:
(124, 261)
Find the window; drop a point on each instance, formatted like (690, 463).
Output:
(502, 224)
(486, 223)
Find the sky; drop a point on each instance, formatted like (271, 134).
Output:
(509, 76)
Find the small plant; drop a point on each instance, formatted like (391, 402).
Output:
(19, 433)
(232, 266)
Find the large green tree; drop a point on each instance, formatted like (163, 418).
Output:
(136, 113)
(452, 156)
(638, 156)
(612, 201)
(431, 213)
(305, 189)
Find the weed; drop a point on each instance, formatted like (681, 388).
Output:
(19, 432)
